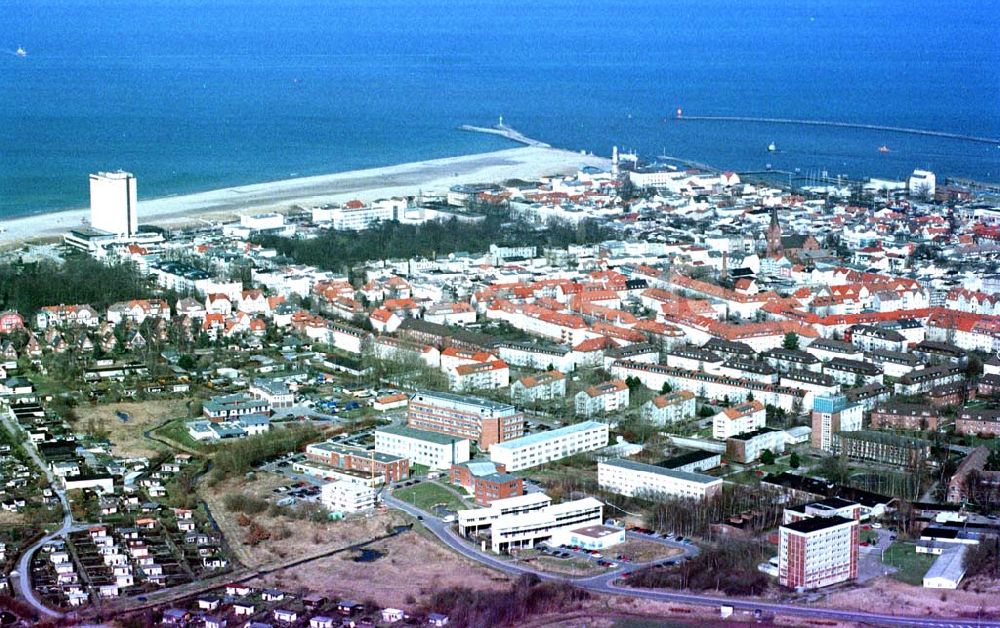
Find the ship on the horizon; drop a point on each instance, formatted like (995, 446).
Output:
(883, 149)
(21, 52)
(771, 147)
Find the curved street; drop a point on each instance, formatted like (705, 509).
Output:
(24, 563)
(607, 583)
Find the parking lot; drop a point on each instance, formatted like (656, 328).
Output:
(874, 541)
(614, 558)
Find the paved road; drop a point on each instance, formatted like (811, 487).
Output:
(607, 583)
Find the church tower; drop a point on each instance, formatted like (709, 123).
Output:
(774, 235)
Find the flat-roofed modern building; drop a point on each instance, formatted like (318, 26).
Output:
(744, 448)
(829, 507)
(599, 537)
(484, 421)
(431, 449)
(346, 497)
(817, 552)
(831, 415)
(340, 462)
(525, 530)
(476, 519)
(636, 479)
(692, 461)
(113, 203)
(537, 449)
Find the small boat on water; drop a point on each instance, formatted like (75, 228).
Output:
(21, 52)
(771, 147)
(883, 149)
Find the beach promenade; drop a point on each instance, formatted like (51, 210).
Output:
(429, 177)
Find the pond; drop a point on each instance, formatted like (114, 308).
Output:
(368, 556)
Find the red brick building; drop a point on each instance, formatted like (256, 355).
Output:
(905, 416)
(10, 320)
(988, 386)
(481, 420)
(954, 394)
(487, 481)
(978, 422)
(357, 461)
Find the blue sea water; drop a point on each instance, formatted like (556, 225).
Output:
(200, 95)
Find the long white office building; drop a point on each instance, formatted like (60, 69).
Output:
(431, 449)
(523, 522)
(475, 519)
(537, 449)
(528, 529)
(626, 477)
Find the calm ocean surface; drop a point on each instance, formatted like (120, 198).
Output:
(192, 97)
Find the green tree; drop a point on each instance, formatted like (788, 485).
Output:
(187, 362)
(666, 388)
(793, 460)
(767, 456)
(791, 341)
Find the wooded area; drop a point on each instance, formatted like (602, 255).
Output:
(730, 568)
(528, 596)
(242, 455)
(81, 279)
(339, 250)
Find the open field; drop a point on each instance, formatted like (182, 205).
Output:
(176, 432)
(886, 595)
(127, 437)
(911, 565)
(640, 551)
(301, 538)
(426, 495)
(411, 567)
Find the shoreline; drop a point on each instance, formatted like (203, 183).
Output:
(433, 176)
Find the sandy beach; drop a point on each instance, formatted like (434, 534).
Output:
(431, 177)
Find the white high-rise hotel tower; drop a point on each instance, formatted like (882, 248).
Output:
(113, 203)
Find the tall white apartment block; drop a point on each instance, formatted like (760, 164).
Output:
(113, 203)
(817, 552)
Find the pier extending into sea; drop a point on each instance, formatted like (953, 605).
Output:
(844, 125)
(503, 130)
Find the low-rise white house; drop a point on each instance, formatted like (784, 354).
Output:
(602, 399)
(542, 387)
(669, 408)
(275, 392)
(739, 419)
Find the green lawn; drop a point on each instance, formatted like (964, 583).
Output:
(780, 466)
(911, 565)
(744, 477)
(177, 432)
(426, 495)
